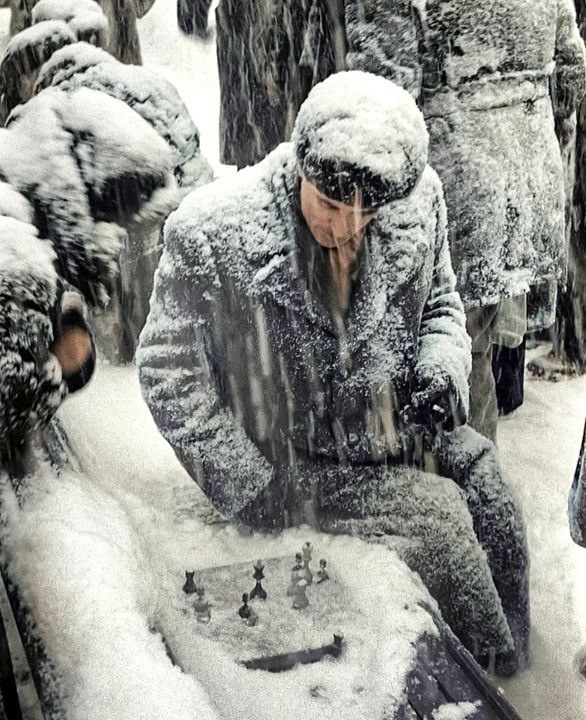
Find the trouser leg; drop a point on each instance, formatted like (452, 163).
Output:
(483, 403)
(424, 518)
(192, 16)
(473, 463)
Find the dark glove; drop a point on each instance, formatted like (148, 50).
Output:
(435, 402)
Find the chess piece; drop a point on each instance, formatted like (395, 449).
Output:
(258, 591)
(202, 607)
(245, 610)
(300, 600)
(306, 570)
(252, 619)
(322, 573)
(295, 578)
(189, 588)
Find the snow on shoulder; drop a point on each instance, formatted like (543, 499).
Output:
(26, 262)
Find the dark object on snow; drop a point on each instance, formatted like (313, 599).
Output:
(245, 610)
(287, 661)
(258, 591)
(446, 673)
(192, 16)
(322, 573)
(189, 588)
(508, 368)
(577, 499)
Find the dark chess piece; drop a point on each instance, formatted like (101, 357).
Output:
(245, 610)
(258, 591)
(189, 588)
(322, 573)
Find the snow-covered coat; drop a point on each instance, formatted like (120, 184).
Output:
(123, 42)
(482, 74)
(281, 419)
(241, 365)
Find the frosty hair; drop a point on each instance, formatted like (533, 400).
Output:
(360, 134)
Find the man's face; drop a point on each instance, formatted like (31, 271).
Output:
(333, 224)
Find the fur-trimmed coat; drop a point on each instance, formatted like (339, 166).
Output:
(482, 74)
(240, 363)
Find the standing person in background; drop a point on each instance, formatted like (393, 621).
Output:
(123, 42)
(481, 74)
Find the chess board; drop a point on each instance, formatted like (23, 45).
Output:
(280, 629)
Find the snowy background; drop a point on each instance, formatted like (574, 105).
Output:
(123, 527)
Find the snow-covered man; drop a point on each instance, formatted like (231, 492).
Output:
(304, 317)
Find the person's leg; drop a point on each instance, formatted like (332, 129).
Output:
(473, 463)
(483, 404)
(424, 518)
(508, 367)
(192, 16)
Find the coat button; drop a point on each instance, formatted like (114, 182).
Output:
(353, 439)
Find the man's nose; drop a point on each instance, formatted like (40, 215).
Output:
(339, 226)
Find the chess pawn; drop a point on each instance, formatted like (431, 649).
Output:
(300, 600)
(245, 610)
(202, 607)
(189, 588)
(295, 578)
(258, 591)
(322, 573)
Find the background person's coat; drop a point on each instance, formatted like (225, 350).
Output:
(577, 499)
(482, 74)
(271, 411)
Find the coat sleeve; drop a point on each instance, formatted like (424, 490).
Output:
(179, 383)
(383, 39)
(569, 80)
(444, 344)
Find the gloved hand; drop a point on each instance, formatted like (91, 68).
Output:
(435, 402)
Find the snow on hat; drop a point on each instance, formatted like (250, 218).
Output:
(358, 131)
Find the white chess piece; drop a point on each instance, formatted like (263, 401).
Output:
(295, 578)
(300, 600)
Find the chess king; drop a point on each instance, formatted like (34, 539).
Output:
(304, 321)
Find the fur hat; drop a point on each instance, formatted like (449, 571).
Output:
(359, 132)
